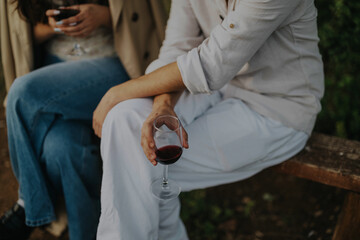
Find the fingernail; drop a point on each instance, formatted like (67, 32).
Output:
(56, 12)
(72, 24)
(59, 22)
(57, 30)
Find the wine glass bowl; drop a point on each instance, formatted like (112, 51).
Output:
(66, 13)
(168, 141)
(168, 138)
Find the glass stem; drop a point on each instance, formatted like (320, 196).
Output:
(165, 178)
(76, 45)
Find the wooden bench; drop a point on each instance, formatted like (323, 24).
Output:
(336, 162)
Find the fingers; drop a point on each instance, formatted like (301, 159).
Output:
(76, 7)
(185, 138)
(52, 12)
(147, 142)
(71, 21)
(96, 124)
(75, 31)
(97, 128)
(75, 28)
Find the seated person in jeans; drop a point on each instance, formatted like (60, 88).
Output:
(53, 150)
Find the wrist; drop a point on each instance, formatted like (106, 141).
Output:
(163, 101)
(113, 97)
(105, 16)
(43, 32)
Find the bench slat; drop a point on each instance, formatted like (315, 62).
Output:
(329, 160)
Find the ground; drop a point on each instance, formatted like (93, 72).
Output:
(267, 206)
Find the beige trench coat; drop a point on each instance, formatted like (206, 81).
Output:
(138, 27)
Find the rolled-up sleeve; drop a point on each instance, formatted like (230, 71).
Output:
(192, 72)
(231, 44)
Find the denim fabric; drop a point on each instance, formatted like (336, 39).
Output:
(53, 149)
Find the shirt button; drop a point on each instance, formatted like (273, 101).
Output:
(135, 17)
(231, 25)
(146, 55)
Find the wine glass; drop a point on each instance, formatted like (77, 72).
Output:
(65, 12)
(168, 141)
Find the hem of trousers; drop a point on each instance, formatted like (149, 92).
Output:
(40, 222)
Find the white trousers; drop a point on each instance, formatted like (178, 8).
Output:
(228, 142)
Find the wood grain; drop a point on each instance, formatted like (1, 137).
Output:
(329, 160)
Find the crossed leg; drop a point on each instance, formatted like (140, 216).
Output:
(228, 142)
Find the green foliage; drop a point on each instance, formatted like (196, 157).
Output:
(202, 214)
(339, 31)
(268, 197)
(249, 206)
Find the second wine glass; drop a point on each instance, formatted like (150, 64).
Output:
(65, 12)
(168, 141)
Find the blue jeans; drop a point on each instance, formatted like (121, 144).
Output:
(53, 149)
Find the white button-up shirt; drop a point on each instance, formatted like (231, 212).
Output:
(265, 51)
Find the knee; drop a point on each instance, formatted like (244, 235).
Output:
(129, 114)
(20, 90)
(51, 156)
(55, 151)
(122, 126)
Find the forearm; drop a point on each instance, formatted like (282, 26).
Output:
(43, 32)
(105, 16)
(164, 80)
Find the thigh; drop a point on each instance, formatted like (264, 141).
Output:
(71, 89)
(190, 107)
(230, 142)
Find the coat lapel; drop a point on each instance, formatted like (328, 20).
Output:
(116, 7)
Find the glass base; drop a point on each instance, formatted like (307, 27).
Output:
(165, 192)
(77, 51)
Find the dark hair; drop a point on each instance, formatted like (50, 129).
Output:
(34, 10)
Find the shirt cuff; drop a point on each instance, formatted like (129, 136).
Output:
(192, 72)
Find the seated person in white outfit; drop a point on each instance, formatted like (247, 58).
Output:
(244, 77)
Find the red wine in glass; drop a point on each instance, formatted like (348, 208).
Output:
(167, 134)
(168, 154)
(66, 13)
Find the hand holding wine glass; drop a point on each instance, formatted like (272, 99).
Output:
(168, 141)
(90, 17)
